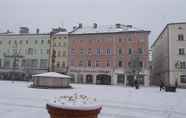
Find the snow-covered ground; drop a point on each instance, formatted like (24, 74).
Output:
(19, 101)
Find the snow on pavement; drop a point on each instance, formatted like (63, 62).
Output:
(17, 100)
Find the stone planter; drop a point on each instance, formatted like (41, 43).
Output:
(74, 107)
(69, 113)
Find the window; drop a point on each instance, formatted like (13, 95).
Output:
(129, 64)
(47, 51)
(26, 41)
(54, 44)
(15, 42)
(41, 51)
(183, 78)
(89, 51)
(48, 41)
(81, 51)
(120, 51)
(58, 64)
(97, 63)
(140, 50)
(43, 63)
(72, 62)
(130, 51)
(30, 51)
(34, 63)
(0, 62)
(141, 64)
(98, 51)
(90, 41)
(108, 63)
(63, 64)
(121, 79)
(9, 42)
(35, 41)
(89, 63)
(6, 63)
(23, 63)
(120, 63)
(180, 28)
(64, 44)
(182, 65)
(59, 44)
(14, 51)
(42, 41)
(80, 63)
(59, 53)
(109, 51)
(120, 40)
(129, 38)
(180, 37)
(64, 53)
(0, 42)
(181, 51)
(20, 42)
(72, 51)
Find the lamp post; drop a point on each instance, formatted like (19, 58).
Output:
(177, 67)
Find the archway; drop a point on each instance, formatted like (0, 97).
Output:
(72, 79)
(79, 78)
(130, 80)
(89, 79)
(103, 79)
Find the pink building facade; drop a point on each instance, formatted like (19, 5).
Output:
(102, 55)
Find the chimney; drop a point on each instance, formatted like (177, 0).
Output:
(129, 26)
(118, 25)
(37, 31)
(80, 25)
(24, 30)
(74, 27)
(95, 25)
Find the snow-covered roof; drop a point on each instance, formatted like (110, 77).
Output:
(61, 33)
(105, 29)
(75, 102)
(52, 74)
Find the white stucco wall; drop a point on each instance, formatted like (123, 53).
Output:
(174, 45)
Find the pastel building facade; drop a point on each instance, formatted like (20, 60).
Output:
(58, 58)
(168, 56)
(102, 54)
(24, 53)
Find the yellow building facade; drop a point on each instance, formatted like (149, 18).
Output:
(58, 57)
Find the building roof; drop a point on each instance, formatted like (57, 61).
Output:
(17, 34)
(61, 33)
(52, 74)
(105, 29)
(154, 43)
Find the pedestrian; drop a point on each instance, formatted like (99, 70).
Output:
(162, 85)
(136, 84)
(176, 83)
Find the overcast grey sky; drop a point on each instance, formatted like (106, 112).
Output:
(45, 14)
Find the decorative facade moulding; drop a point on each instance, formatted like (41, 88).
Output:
(90, 71)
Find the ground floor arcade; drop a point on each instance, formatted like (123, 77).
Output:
(108, 78)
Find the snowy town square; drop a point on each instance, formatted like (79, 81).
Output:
(18, 100)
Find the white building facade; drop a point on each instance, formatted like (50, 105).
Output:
(169, 56)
